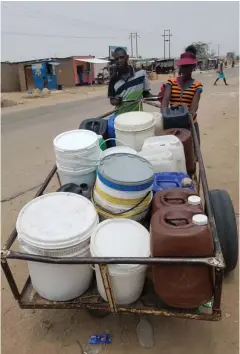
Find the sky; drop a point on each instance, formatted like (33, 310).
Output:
(39, 29)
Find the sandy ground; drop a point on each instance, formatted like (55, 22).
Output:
(58, 332)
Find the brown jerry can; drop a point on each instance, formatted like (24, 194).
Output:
(182, 232)
(176, 197)
(185, 136)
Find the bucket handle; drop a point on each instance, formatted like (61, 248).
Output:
(122, 142)
(123, 212)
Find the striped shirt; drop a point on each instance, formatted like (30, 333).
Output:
(184, 96)
(131, 86)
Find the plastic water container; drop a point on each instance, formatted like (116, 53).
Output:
(169, 180)
(77, 156)
(182, 232)
(133, 128)
(176, 117)
(185, 136)
(124, 183)
(96, 125)
(161, 159)
(111, 129)
(121, 238)
(158, 129)
(170, 142)
(119, 149)
(58, 225)
(77, 149)
(78, 177)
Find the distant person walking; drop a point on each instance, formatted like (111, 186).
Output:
(221, 75)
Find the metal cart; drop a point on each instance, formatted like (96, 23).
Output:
(149, 302)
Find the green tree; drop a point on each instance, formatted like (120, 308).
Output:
(202, 49)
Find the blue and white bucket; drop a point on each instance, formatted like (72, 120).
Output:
(123, 187)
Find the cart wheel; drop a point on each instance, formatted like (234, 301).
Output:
(98, 313)
(226, 226)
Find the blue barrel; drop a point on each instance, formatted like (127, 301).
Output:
(169, 180)
(111, 129)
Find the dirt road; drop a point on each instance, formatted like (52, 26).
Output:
(27, 143)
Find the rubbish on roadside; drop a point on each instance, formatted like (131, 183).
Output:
(97, 343)
(100, 339)
(145, 334)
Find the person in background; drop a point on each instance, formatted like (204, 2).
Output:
(221, 75)
(184, 90)
(127, 83)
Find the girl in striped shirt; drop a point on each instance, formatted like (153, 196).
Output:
(184, 90)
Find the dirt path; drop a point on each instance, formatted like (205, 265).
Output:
(58, 332)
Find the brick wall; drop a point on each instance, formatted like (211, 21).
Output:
(9, 77)
(65, 74)
(22, 78)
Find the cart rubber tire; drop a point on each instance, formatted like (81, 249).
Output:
(226, 226)
(98, 313)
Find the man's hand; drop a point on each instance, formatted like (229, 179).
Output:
(115, 101)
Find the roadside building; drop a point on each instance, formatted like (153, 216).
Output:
(53, 73)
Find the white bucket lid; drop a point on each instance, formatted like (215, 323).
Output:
(126, 169)
(134, 121)
(117, 150)
(56, 220)
(120, 238)
(75, 140)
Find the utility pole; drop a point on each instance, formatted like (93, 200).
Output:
(167, 38)
(136, 36)
(131, 38)
(218, 50)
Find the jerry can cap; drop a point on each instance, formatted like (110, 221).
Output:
(200, 219)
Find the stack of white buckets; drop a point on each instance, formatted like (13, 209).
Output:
(77, 156)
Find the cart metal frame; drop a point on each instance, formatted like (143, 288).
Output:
(148, 303)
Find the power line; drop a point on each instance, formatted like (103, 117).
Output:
(72, 20)
(53, 35)
(35, 14)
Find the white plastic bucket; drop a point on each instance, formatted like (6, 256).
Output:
(170, 142)
(121, 238)
(161, 159)
(133, 128)
(77, 149)
(58, 225)
(78, 177)
(60, 282)
(116, 207)
(121, 194)
(122, 186)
